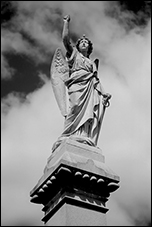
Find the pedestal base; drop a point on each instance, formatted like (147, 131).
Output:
(75, 177)
(71, 215)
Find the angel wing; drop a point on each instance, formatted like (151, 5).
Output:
(59, 72)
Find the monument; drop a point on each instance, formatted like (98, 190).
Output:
(76, 183)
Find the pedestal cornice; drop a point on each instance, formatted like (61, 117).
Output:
(75, 174)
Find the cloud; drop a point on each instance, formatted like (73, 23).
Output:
(14, 43)
(29, 126)
(6, 70)
(33, 31)
(26, 144)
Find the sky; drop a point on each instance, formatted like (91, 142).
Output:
(31, 120)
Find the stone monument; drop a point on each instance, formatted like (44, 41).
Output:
(76, 183)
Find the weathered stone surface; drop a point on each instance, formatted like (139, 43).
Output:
(75, 174)
(80, 156)
(70, 215)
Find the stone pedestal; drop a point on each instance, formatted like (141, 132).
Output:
(75, 186)
(72, 215)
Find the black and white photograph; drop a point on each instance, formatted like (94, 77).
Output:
(75, 113)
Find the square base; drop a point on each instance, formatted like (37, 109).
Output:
(70, 215)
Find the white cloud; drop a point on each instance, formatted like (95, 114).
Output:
(32, 32)
(28, 134)
(6, 70)
(13, 42)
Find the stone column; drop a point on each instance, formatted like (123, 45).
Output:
(75, 186)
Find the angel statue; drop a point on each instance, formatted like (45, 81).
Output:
(77, 89)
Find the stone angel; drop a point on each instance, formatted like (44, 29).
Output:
(76, 76)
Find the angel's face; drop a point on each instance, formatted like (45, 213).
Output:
(83, 45)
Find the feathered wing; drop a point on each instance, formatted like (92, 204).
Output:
(59, 72)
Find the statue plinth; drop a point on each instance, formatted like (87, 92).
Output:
(76, 184)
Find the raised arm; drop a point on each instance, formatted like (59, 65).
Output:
(65, 35)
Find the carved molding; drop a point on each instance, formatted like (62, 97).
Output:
(71, 185)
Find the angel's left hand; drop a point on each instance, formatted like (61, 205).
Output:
(107, 96)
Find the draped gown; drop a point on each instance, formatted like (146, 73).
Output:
(85, 113)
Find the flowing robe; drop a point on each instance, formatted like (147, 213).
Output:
(84, 117)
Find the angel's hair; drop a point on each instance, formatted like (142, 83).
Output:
(90, 49)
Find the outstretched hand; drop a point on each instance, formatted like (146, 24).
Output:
(66, 18)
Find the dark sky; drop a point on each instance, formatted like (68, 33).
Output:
(136, 6)
(25, 79)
